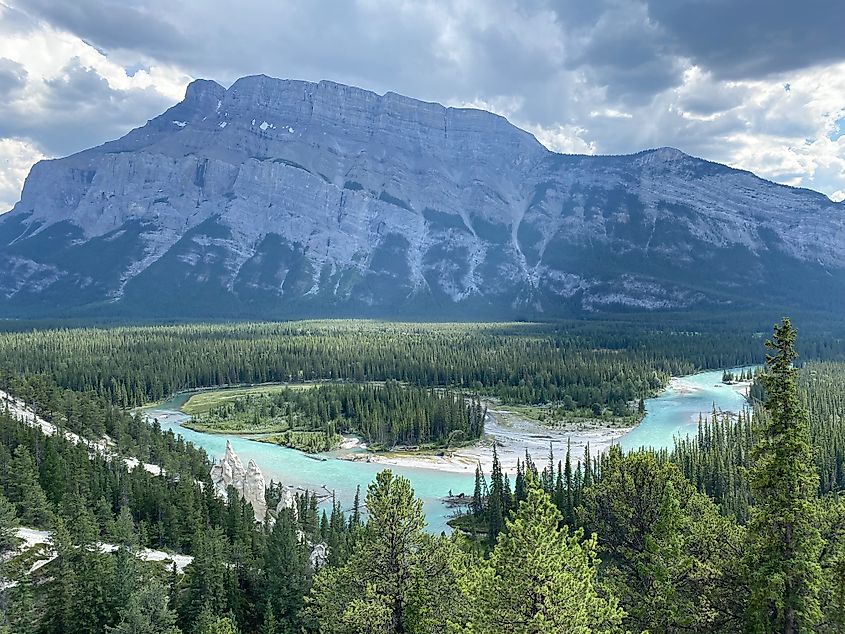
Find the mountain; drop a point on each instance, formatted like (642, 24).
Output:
(278, 198)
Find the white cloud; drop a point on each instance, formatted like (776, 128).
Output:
(599, 77)
(16, 157)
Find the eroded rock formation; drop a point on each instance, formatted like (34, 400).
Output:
(248, 482)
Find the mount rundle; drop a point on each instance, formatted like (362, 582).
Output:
(280, 198)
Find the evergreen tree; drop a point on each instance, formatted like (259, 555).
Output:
(477, 506)
(207, 623)
(60, 603)
(285, 573)
(541, 578)
(26, 492)
(147, 612)
(268, 625)
(396, 577)
(355, 516)
(832, 596)
(206, 580)
(22, 613)
(569, 485)
(519, 485)
(495, 501)
(8, 524)
(784, 542)
(673, 556)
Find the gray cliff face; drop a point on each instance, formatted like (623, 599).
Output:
(288, 198)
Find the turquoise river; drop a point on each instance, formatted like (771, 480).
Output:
(674, 412)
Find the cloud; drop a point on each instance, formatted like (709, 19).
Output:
(109, 24)
(76, 108)
(757, 84)
(16, 156)
(12, 77)
(752, 38)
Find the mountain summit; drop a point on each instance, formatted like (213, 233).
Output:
(278, 198)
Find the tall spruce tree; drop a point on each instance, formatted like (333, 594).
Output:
(8, 521)
(147, 612)
(478, 493)
(784, 543)
(495, 501)
(396, 580)
(541, 578)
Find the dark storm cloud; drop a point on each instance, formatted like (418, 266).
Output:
(710, 98)
(743, 39)
(621, 49)
(107, 24)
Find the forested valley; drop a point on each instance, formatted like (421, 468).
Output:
(740, 528)
(520, 362)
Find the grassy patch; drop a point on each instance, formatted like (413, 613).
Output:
(236, 427)
(204, 402)
(307, 441)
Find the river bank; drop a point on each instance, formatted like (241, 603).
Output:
(512, 436)
(674, 411)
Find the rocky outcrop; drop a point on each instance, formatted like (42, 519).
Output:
(249, 482)
(279, 198)
(287, 501)
(319, 555)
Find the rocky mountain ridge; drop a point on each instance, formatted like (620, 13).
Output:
(279, 198)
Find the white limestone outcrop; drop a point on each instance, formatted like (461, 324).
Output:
(249, 482)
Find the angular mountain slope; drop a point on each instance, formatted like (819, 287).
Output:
(280, 198)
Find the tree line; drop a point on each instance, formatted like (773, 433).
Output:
(579, 365)
(385, 415)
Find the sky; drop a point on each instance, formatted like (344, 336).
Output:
(755, 84)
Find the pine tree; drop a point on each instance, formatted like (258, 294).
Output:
(541, 578)
(207, 623)
(560, 490)
(268, 625)
(60, 601)
(285, 574)
(26, 492)
(477, 506)
(519, 484)
(784, 542)
(569, 508)
(205, 578)
(21, 612)
(588, 468)
(395, 577)
(495, 501)
(355, 515)
(8, 522)
(126, 563)
(147, 612)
